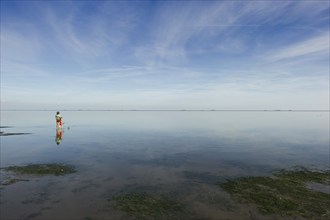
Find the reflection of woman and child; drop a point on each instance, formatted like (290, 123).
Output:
(59, 130)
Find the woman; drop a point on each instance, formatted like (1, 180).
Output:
(58, 119)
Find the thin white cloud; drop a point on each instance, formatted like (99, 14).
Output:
(318, 45)
(15, 70)
(133, 77)
(216, 27)
(114, 55)
(19, 47)
(92, 39)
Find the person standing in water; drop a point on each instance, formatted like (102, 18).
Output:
(58, 119)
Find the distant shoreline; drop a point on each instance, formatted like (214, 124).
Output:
(164, 110)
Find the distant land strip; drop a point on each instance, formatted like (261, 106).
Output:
(174, 110)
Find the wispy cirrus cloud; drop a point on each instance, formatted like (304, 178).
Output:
(225, 28)
(316, 46)
(91, 38)
(20, 47)
(187, 52)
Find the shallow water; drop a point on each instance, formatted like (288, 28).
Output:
(179, 154)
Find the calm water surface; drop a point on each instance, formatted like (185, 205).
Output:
(182, 155)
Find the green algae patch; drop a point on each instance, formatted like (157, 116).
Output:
(303, 175)
(42, 169)
(145, 206)
(284, 194)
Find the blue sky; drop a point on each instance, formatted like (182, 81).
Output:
(165, 54)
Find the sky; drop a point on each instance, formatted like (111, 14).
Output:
(122, 55)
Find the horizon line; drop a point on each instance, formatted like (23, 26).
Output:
(263, 110)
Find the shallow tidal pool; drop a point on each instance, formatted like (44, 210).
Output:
(164, 165)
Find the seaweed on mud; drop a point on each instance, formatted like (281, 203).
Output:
(144, 206)
(42, 169)
(285, 193)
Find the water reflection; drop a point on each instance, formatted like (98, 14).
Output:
(59, 134)
(182, 155)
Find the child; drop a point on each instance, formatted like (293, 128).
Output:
(58, 118)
